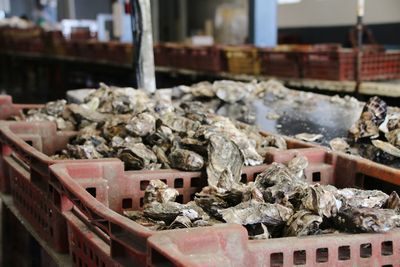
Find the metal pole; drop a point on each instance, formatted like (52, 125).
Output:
(143, 45)
(359, 49)
(71, 9)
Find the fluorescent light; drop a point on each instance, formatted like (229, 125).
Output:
(281, 2)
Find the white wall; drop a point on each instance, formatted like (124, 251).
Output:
(316, 13)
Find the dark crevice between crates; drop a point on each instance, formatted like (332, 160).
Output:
(197, 182)
(372, 183)
(137, 243)
(179, 199)
(243, 178)
(159, 260)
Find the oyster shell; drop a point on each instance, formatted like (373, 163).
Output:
(373, 114)
(309, 137)
(394, 137)
(161, 156)
(253, 212)
(85, 151)
(297, 166)
(303, 223)
(137, 156)
(203, 89)
(186, 160)
(142, 125)
(361, 198)
(393, 202)
(166, 212)
(367, 220)
(55, 108)
(181, 222)
(257, 231)
(320, 201)
(158, 191)
(211, 203)
(179, 123)
(276, 173)
(275, 141)
(387, 147)
(232, 92)
(224, 126)
(225, 163)
(339, 144)
(378, 108)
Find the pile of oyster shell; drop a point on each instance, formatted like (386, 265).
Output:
(377, 133)
(279, 203)
(168, 130)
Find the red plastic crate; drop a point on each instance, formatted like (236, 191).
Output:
(24, 173)
(228, 245)
(92, 251)
(205, 58)
(120, 52)
(160, 56)
(35, 207)
(9, 109)
(177, 56)
(242, 59)
(46, 140)
(102, 191)
(202, 58)
(280, 63)
(340, 65)
(55, 43)
(72, 49)
(17, 178)
(337, 65)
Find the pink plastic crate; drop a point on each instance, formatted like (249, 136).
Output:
(102, 191)
(9, 109)
(228, 245)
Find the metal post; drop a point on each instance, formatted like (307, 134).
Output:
(183, 22)
(155, 15)
(143, 44)
(359, 49)
(71, 9)
(263, 23)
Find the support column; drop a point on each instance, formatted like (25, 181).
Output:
(71, 9)
(182, 21)
(155, 15)
(263, 22)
